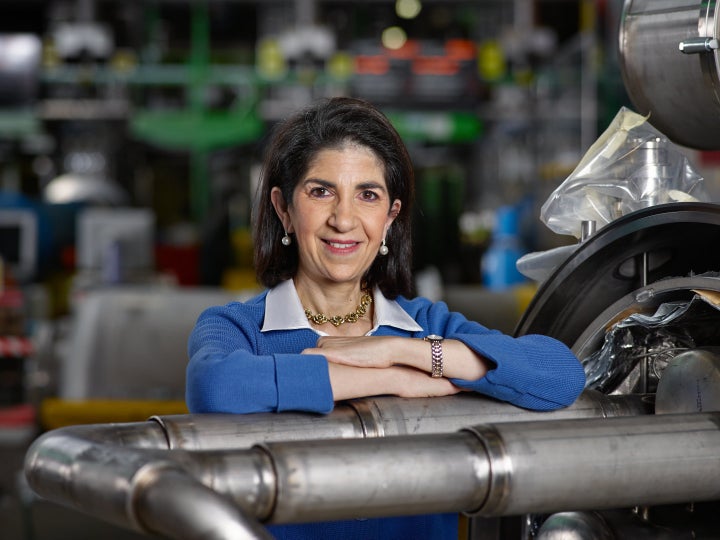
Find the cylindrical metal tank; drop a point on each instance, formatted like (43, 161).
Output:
(669, 64)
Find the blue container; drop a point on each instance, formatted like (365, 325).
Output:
(498, 267)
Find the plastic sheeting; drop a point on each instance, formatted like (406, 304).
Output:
(631, 166)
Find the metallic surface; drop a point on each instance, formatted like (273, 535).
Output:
(77, 467)
(490, 469)
(575, 526)
(679, 522)
(394, 476)
(587, 229)
(690, 383)
(601, 464)
(97, 468)
(642, 300)
(679, 91)
(196, 510)
(378, 417)
(672, 239)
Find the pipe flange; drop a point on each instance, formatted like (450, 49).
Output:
(500, 474)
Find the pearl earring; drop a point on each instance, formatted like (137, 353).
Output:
(286, 240)
(383, 248)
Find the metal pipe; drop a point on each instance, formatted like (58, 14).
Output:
(192, 511)
(597, 464)
(380, 417)
(532, 467)
(97, 468)
(394, 476)
(489, 470)
(588, 227)
(86, 474)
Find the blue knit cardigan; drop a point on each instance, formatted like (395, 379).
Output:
(236, 368)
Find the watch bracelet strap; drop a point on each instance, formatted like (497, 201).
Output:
(437, 358)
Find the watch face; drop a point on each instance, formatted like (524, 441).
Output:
(433, 337)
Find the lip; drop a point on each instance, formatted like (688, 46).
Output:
(341, 246)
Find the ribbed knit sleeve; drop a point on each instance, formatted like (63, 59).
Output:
(234, 368)
(533, 371)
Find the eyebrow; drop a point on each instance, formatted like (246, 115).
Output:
(360, 187)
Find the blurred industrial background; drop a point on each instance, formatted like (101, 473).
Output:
(130, 137)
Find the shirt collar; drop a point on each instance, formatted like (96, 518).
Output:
(284, 311)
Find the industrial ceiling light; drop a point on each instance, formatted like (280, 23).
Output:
(408, 9)
(394, 37)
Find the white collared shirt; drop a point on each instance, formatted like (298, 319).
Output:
(284, 311)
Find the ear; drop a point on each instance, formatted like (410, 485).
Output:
(392, 214)
(281, 208)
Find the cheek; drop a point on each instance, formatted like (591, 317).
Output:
(305, 222)
(380, 224)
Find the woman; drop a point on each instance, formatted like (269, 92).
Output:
(332, 245)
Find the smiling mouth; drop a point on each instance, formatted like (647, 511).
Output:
(341, 245)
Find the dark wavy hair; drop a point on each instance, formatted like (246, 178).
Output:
(328, 124)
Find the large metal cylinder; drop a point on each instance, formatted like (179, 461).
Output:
(669, 63)
(601, 464)
(378, 417)
(690, 383)
(395, 476)
(104, 469)
(489, 470)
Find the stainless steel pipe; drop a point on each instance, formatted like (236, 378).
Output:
(104, 469)
(392, 476)
(543, 467)
(533, 467)
(489, 470)
(380, 417)
(176, 505)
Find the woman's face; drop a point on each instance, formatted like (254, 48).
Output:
(340, 213)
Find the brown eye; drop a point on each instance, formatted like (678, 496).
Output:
(319, 192)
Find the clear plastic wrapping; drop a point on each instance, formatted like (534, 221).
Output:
(631, 166)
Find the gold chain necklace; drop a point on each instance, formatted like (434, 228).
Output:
(337, 320)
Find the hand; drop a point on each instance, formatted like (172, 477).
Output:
(350, 382)
(388, 351)
(413, 383)
(363, 351)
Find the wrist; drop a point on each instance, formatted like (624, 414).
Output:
(436, 355)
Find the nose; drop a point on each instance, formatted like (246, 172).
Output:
(342, 217)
